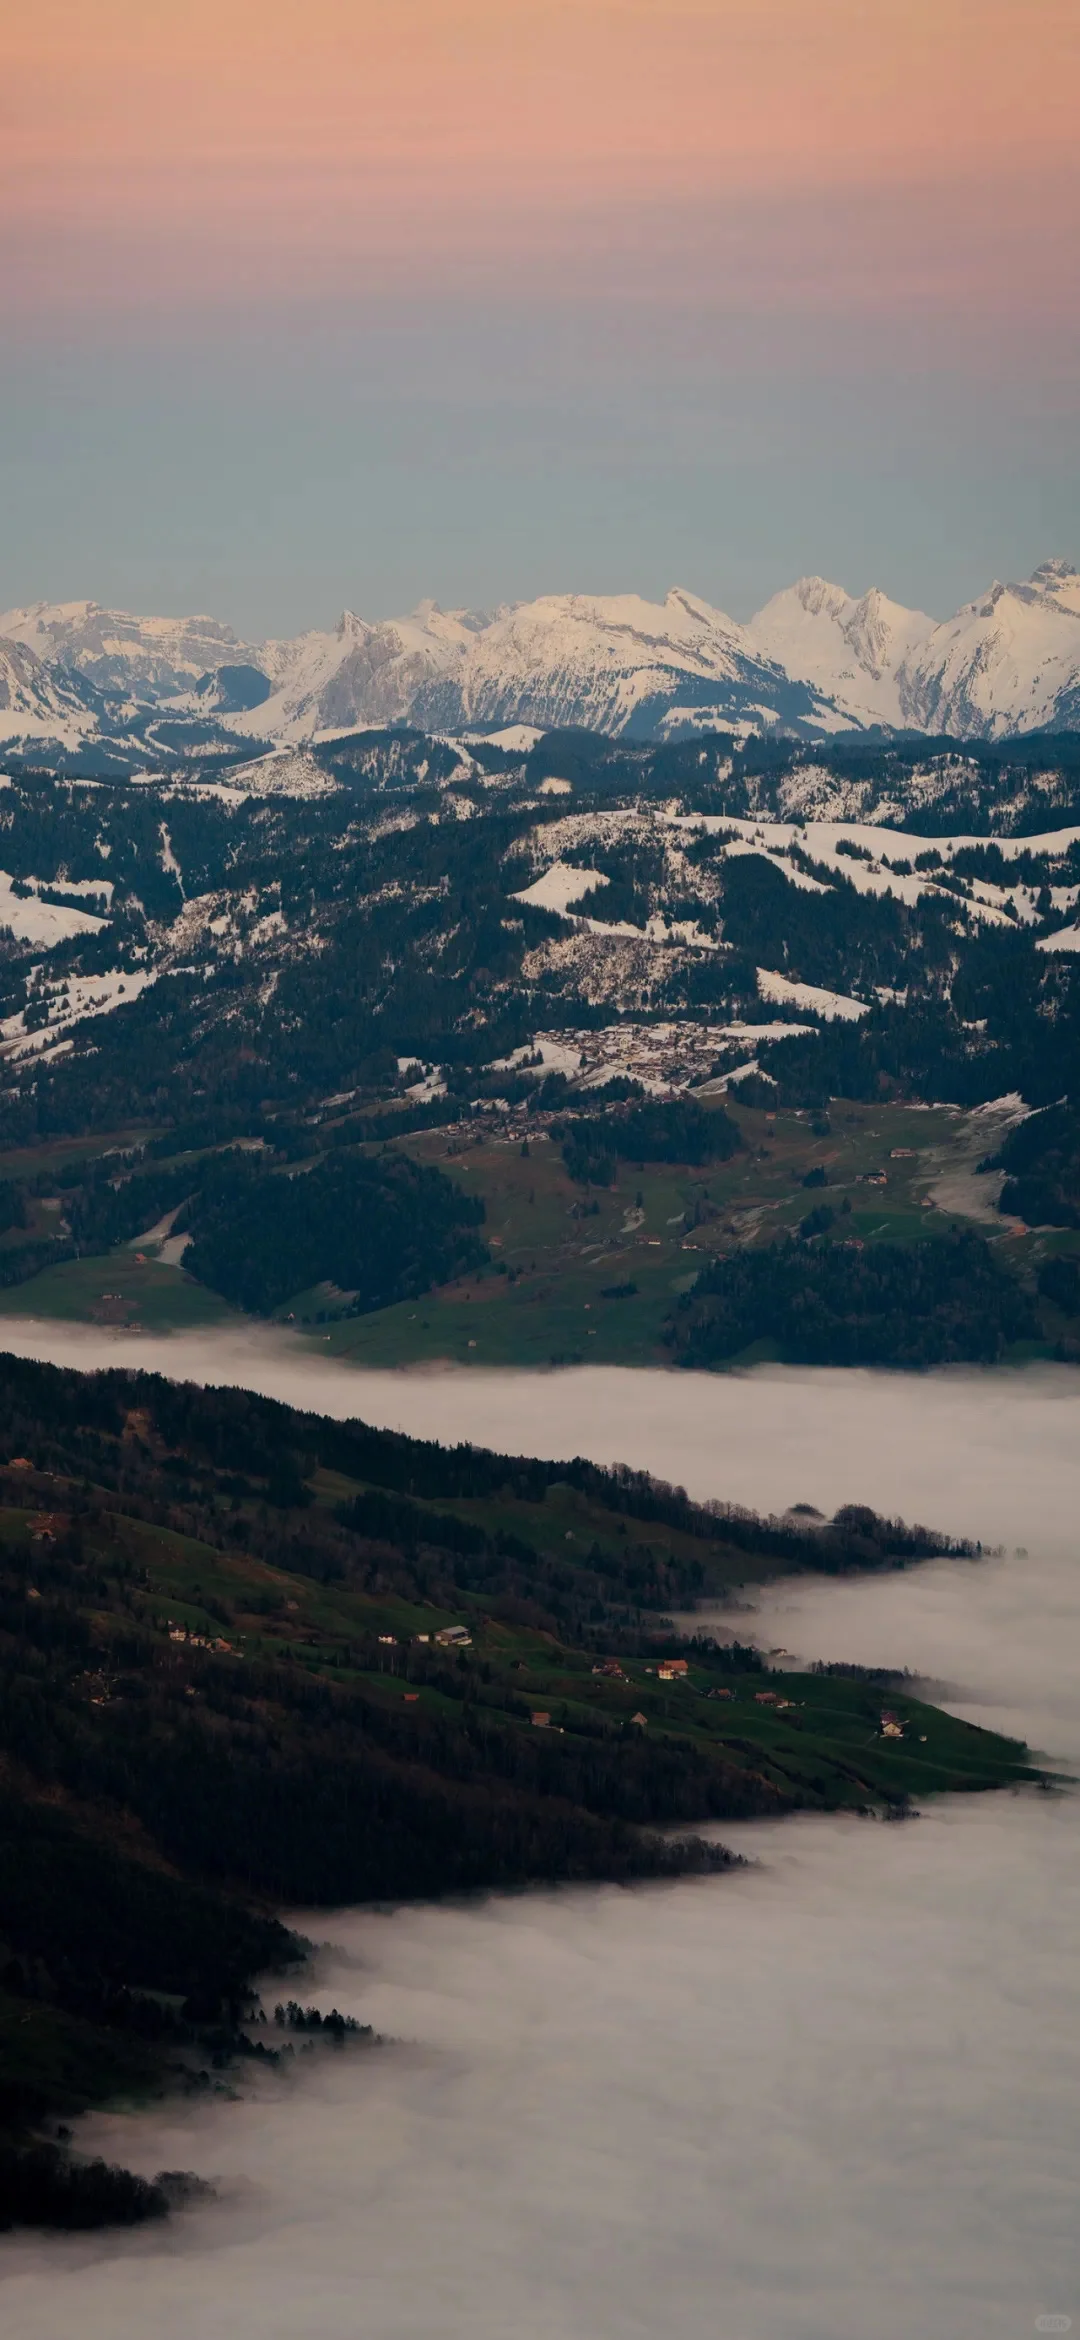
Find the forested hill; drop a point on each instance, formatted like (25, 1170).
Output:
(187, 955)
(250, 1657)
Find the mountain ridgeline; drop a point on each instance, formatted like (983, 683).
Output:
(84, 681)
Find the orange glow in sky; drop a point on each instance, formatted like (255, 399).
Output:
(295, 136)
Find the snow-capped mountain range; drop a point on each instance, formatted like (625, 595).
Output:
(79, 680)
(1007, 662)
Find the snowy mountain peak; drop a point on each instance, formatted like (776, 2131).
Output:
(38, 701)
(816, 659)
(849, 650)
(1054, 573)
(149, 657)
(815, 595)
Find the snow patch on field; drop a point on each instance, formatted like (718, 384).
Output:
(560, 886)
(1067, 938)
(31, 920)
(516, 739)
(822, 843)
(787, 869)
(72, 1001)
(833, 1006)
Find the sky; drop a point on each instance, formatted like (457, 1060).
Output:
(315, 303)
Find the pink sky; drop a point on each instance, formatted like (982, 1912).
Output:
(324, 301)
(316, 145)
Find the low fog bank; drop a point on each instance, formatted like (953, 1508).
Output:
(998, 1640)
(831, 2095)
(994, 1454)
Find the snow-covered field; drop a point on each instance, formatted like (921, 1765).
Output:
(71, 1001)
(33, 921)
(560, 887)
(832, 1006)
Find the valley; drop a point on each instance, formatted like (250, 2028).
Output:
(579, 1276)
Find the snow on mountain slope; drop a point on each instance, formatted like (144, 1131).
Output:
(72, 1001)
(31, 920)
(833, 1006)
(360, 674)
(1008, 662)
(617, 663)
(149, 657)
(560, 887)
(37, 702)
(813, 661)
(850, 650)
(282, 772)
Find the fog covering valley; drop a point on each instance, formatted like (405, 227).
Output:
(834, 2090)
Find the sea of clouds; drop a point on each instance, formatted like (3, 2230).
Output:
(829, 2095)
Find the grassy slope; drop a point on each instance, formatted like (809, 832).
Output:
(554, 1312)
(828, 1747)
(566, 1243)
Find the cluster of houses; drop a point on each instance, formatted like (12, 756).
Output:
(198, 1640)
(448, 1637)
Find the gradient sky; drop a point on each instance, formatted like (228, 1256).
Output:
(313, 302)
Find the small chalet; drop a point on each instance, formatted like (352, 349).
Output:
(767, 1697)
(673, 1669)
(541, 1721)
(891, 1726)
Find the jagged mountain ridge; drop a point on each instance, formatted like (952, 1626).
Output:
(814, 661)
(1007, 662)
(39, 700)
(144, 658)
